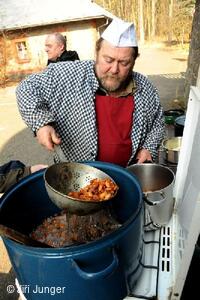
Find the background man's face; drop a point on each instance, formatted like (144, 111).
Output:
(53, 48)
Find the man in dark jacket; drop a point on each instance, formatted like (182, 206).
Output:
(55, 47)
(13, 171)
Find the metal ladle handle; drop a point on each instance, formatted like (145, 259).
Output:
(20, 237)
(59, 153)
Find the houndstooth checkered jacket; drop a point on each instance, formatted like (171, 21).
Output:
(64, 94)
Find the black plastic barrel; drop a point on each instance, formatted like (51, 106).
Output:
(179, 125)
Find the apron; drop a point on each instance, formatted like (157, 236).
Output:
(114, 118)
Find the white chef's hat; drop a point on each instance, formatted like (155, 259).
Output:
(120, 34)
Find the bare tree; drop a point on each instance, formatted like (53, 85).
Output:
(141, 20)
(194, 52)
(153, 20)
(171, 2)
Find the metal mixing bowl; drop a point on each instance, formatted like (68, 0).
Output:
(62, 178)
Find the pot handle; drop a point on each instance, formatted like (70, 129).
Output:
(101, 274)
(156, 195)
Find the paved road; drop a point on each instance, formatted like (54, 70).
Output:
(165, 69)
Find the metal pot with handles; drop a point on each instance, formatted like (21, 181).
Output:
(171, 148)
(157, 183)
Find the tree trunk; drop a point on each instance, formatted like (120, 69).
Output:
(170, 20)
(3, 59)
(194, 52)
(141, 20)
(153, 22)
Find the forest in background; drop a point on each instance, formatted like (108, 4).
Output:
(168, 20)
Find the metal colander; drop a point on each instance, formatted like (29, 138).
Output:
(62, 178)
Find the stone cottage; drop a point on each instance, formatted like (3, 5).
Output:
(25, 24)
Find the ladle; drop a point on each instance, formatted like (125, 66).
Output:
(64, 177)
(20, 237)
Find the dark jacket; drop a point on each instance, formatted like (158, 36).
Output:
(11, 173)
(66, 56)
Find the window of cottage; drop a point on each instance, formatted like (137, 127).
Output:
(22, 51)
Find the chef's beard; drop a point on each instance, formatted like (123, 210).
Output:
(113, 83)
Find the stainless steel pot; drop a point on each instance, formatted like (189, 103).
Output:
(157, 185)
(171, 148)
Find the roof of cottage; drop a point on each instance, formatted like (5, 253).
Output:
(30, 13)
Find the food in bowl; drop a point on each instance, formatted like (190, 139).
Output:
(96, 190)
(173, 144)
(65, 229)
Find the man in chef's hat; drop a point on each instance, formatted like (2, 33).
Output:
(116, 52)
(109, 112)
(119, 45)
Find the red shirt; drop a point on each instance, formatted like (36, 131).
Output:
(114, 124)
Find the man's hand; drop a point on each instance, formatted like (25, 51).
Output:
(143, 155)
(48, 137)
